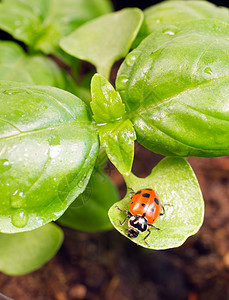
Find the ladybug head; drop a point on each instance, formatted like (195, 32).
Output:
(132, 232)
(136, 224)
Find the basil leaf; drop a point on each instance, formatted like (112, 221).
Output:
(176, 90)
(24, 252)
(103, 41)
(89, 211)
(48, 149)
(106, 103)
(116, 134)
(117, 139)
(40, 24)
(169, 13)
(16, 65)
(176, 184)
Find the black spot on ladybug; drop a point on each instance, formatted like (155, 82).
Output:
(153, 219)
(132, 202)
(152, 209)
(146, 195)
(148, 189)
(143, 204)
(139, 192)
(156, 201)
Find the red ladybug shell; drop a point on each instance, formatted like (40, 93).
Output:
(146, 203)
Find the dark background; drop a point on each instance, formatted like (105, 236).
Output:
(118, 4)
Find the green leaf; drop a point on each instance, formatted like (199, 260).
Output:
(24, 252)
(47, 152)
(106, 103)
(176, 90)
(116, 134)
(16, 65)
(41, 23)
(89, 211)
(105, 39)
(118, 140)
(169, 13)
(175, 183)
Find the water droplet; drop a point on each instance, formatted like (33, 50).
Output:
(54, 140)
(171, 30)
(208, 70)
(80, 184)
(131, 58)
(17, 199)
(19, 113)
(82, 181)
(13, 91)
(122, 82)
(5, 165)
(19, 218)
(6, 92)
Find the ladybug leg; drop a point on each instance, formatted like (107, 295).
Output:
(147, 236)
(128, 216)
(154, 226)
(123, 210)
(124, 221)
(163, 208)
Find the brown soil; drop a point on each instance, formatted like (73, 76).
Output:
(108, 266)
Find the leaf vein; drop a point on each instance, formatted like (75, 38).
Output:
(11, 124)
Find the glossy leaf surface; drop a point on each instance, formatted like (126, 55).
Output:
(104, 40)
(118, 140)
(169, 13)
(24, 252)
(106, 103)
(41, 23)
(16, 65)
(116, 133)
(176, 184)
(48, 149)
(175, 86)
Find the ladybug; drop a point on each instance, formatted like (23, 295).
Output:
(145, 208)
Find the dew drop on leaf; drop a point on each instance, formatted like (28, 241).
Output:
(18, 199)
(19, 218)
(5, 165)
(121, 82)
(171, 30)
(131, 58)
(208, 70)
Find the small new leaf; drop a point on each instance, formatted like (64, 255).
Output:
(106, 103)
(118, 140)
(116, 134)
